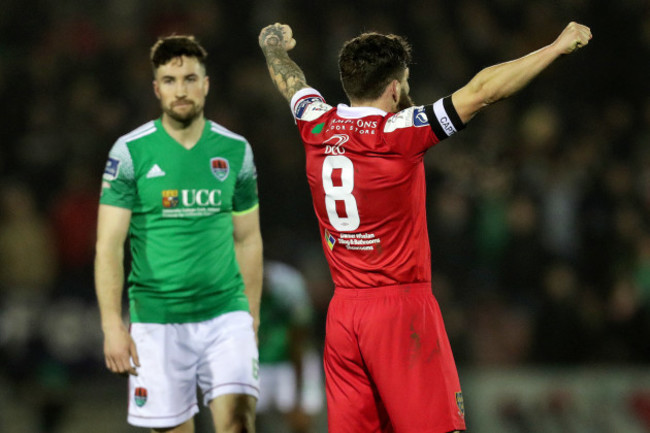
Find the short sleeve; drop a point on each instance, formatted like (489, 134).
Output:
(308, 104)
(245, 197)
(118, 181)
(416, 129)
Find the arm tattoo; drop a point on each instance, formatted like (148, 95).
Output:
(286, 75)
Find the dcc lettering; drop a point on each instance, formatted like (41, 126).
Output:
(334, 150)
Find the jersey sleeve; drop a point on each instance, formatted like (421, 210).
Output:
(118, 181)
(307, 106)
(245, 197)
(416, 129)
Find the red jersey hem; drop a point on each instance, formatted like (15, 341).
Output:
(379, 291)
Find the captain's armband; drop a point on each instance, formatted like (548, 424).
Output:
(443, 118)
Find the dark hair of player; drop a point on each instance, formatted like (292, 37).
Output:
(170, 47)
(369, 62)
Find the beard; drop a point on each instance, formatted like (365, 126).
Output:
(186, 117)
(405, 101)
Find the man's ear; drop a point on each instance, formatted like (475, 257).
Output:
(156, 90)
(396, 88)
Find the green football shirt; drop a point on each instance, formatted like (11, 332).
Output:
(181, 234)
(285, 305)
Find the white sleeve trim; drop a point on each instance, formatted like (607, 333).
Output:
(301, 94)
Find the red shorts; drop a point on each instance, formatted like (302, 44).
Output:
(388, 363)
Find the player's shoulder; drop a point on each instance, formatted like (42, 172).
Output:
(412, 117)
(123, 145)
(219, 130)
(285, 281)
(277, 268)
(138, 133)
(308, 104)
(283, 274)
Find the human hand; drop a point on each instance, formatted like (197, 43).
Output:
(572, 38)
(277, 36)
(299, 420)
(119, 350)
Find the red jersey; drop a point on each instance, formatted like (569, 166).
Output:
(366, 174)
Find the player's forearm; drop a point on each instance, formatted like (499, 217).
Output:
(503, 80)
(249, 256)
(285, 73)
(109, 281)
(276, 41)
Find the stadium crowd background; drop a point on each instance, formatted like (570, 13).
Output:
(539, 210)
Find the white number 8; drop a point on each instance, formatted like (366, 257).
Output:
(341, 192)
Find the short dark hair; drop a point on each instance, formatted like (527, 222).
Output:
(369, 62)
(169, 47)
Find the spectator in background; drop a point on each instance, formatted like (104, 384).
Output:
(626, 324)
(27, 258)
(74, 219)
(28, 269)
(524, 258)
(563, 333)
(451, 231)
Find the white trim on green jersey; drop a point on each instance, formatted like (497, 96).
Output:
(215, 127)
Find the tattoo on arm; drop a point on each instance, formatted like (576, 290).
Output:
(285, 74)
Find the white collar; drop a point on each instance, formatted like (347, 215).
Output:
(348, 112)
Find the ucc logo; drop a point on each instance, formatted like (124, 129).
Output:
(201, 197)
(336, 148)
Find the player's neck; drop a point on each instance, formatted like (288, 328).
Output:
(388, 101)
(385, 104)
(187, 135)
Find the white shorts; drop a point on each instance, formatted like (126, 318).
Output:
(278, 386)
(219, 355)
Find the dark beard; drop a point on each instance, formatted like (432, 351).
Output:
(186, 119)
(405, 102)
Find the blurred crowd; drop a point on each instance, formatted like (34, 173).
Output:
(538, 211)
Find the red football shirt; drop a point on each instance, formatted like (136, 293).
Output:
(366, 174)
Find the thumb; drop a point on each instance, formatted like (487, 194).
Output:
(134, 354)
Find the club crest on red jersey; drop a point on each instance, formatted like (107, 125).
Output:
(140, 395)
(220, 168)
(461, 404)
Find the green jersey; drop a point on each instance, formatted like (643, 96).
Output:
(285, 305)
(181, 234)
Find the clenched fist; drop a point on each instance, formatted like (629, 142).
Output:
(277, 36)
(573, 37)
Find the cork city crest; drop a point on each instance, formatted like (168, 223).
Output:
(220, 168)
(140, 395)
